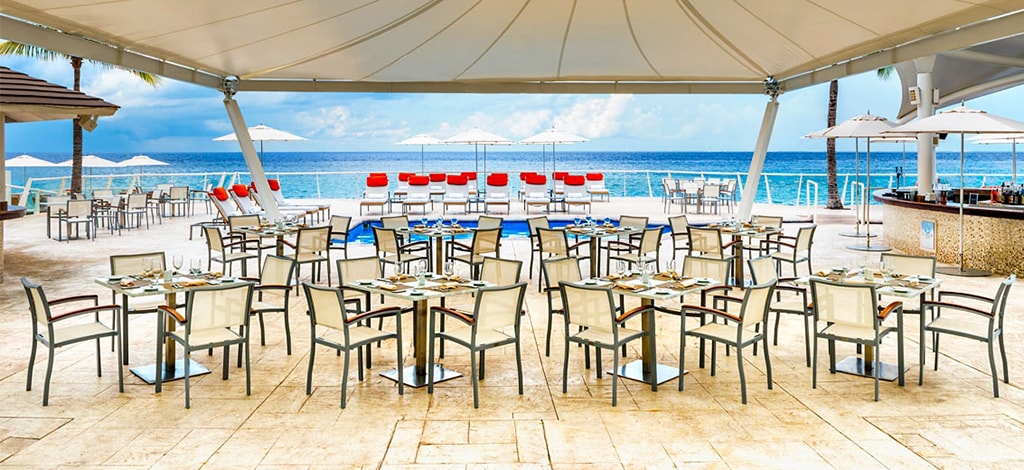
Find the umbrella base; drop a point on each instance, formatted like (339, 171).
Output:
(856, 235)
(868, 247)
(961, 271)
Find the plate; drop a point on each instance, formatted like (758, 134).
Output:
(703, 280)
(213, 282)
(115, 278)
(590, 282)
(479, 283)
(150, 288)
(901, 290)
(415, 292)
(925, 279)
(662, 292)
(364, 282)
(227, 279)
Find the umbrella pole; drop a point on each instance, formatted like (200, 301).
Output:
(867, 213)
(960, 270)
(422, 163)
(1014, 161)
(856, 179)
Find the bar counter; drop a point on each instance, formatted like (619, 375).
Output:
(993, 233)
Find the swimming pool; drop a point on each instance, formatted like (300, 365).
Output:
(363, 233)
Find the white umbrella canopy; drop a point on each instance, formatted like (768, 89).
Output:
(263, 133)
(25, 161)
(142, 160)
(477, 136)
(553, 136)
(1002, 139)
(421, 140)
(92, 161)
(962, 120)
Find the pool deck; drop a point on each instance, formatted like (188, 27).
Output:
(950, 421)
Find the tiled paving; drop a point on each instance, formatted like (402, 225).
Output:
(950, 421)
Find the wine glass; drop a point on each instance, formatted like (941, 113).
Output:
(649, 270)
(672, 268)
(177, 261)
(576, 221)
(147, 266)
(620, 268)
(440, 222)
(196, 265)
(449, 269)
(455, 221)
(607, 220)
(424, 221)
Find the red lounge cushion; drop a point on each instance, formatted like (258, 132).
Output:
(470, 175)
(385, 175)
(560, 175)
(240, 190)
(497, 180)
(419, 180)
(526, 174)
(252, 187)
(220, 193)
(376, 181)
(536, 179)
(574, 180)
(405, 176)
(435, 177)
(274, 185)
(595, 176)
(457, 179)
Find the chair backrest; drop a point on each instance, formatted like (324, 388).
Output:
(277, 271)
(353, 269)
(457, 187)
(999, 303)
(419, 188)
(240, 194)
(844, 304)
(762, 270)
(137, 201)
(326, 306)
(385, 239)
(37, 303)
(553, 241)
(591, 307)
(651, 240)
(179, 192)
(706, 241)
(123, 265)
(678, 224)
(486, 240)
(756, 300)
(711, 191)
(312, 240)
(595, 181)
(498, 307)
(533, 223)
(501, 272)
(221, 306)
(247, 220)
(696, 266)
(488, 222)
(804, 238)
(635, 222)
(79, 208)
(767, 220)
(561, 269)
(213, 237)
(395, 221)
(376, 188)
(910, 265)
(340, 224)
(575, 185)
(221, 200)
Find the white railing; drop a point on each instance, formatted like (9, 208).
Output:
(812, 207)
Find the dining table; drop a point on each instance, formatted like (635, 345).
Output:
(435, 234)
(894, 285)
(738, 231)
(594, 233)
(665, 286)
(420, 292)
(278, 231)
(144, 285)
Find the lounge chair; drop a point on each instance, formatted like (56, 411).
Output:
(376, 194)
(419, 194)
(536, 192)
(456, 193)
(595, 186)
(497, 192)
(576, 192)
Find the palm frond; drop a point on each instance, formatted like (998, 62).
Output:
(885, 73)
(27, 50)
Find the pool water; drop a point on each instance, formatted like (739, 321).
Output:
(363, 233)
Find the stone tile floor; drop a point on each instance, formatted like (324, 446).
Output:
(950, 421)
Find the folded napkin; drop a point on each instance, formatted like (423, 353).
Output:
(192, 283)
(447, 286)
(399, 277)
(390, 287)
(629, 287)
(615, 277)
(669, 275)
(684, 283)
(127, 283)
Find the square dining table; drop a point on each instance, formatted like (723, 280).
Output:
(595, 233)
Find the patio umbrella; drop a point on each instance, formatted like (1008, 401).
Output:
(476, 136)
(1002, 139)
(553, 136)
(858, 127)
(421, 140)
(140, 161)
(263, 133)
(25, 161)
(90, 162)
(962, 120)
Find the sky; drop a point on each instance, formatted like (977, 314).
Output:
(181, 117)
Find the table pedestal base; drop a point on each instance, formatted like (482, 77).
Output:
(857, 366)
(411, 379)
(148, 373)
(635, 371)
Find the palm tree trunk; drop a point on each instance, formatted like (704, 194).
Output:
(834, 202)
(76, 132)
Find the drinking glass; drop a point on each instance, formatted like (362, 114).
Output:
(607, 220)
(590, 220)
(196, 265)
(672, 267)
(449, 269)
(147, 266)
(620, 268)
(178, 261)
(440, 222)
(424, 221)
(576, 221)
(455, 221)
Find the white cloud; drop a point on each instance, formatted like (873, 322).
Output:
(594, 117)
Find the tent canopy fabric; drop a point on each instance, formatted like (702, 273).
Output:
(508, 46)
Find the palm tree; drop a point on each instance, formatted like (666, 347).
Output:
(26, 50)
(834, 201)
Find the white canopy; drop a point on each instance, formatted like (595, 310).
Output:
(560, 46)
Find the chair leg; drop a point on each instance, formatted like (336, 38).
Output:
(767, 362)
(615, 375)
(49, 372)
(1002, 352)
(519, 363)
(876, 366)
(743, 378)
(682, 350)
(814, 364)
(31, 363)
(248, 374)
(565, 364)
(807, 339)
(344, 379)
(475, 378)
(188, 403)
(309, 370)
(992, 368)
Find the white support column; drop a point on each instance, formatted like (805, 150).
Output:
(3, 189)
(252, 159)
(757, 161)
(925, 142)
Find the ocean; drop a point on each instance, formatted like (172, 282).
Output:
(341, 174)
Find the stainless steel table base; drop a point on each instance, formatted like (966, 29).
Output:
(962, 272)
(635, 371)
(854, 365)
(411, 379)
(868, 247)
(856, 235)
(148, 373)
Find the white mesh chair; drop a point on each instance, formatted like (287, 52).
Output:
(376, 194)
(717, 269)
(909, 265)
(498, 193)
(340, 226)
(215, 316)
(554, 243)
(680, 237)
(556, 271)
(128, 265)
(535, 193)
(66, 328)
(494, 322)
(178, 198)
(710, 196)
(135, 208)
(258, 242)
(272, 292)
(737, 330)
(419, 194)
(333, 324)
(648, 248)
(979, 318)
(485, 242)
(533, 223)
(753, 243)
(225, 248)
(707, 243)
(485, 222)
(789, 299)
(78, 212)
(793, 250)
(595, 186)
(311, 248)
(849, 312)
(576, 192)
(391, 251)
(593, 309)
